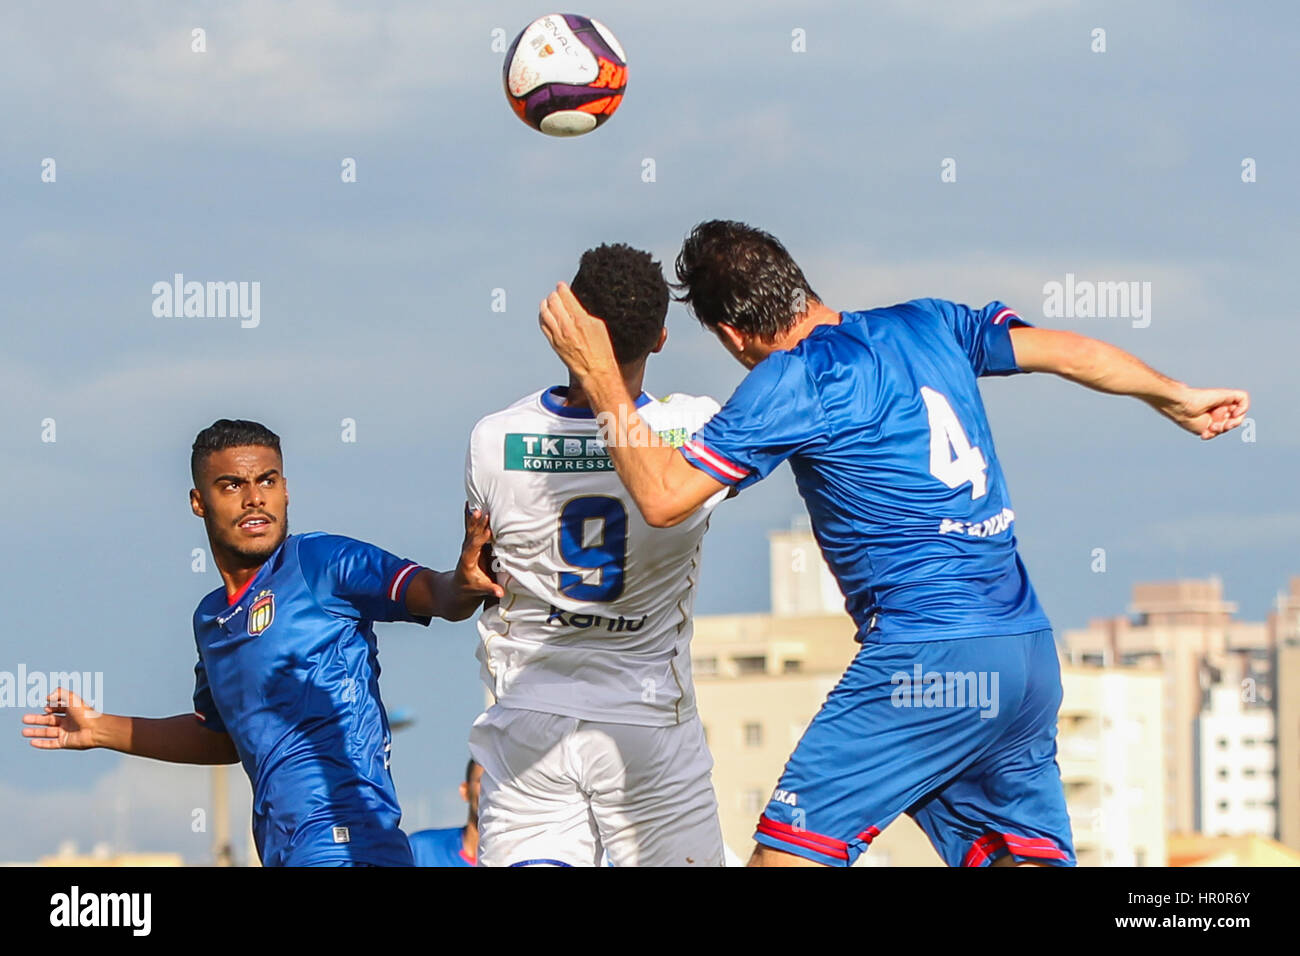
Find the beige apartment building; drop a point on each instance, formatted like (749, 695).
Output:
(1284, 623)
(1185, 632)
(760, 678)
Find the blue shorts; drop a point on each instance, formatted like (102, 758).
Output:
(960, 735)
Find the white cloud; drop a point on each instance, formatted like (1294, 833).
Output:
(275, 68)
(138, 805)
(977, 14)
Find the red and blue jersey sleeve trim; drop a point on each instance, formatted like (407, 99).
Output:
(708, 460)
(401, 580)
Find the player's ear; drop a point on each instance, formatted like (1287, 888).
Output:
(732, 338)
(196, 502)
(663, 337)
(464, 791)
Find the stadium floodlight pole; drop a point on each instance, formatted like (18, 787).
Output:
(401, 719)
(222, 851)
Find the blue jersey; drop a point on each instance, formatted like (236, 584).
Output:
(289, 669)
(883, 424)
(440, 847)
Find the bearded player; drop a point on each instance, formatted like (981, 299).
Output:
(879, 414)
(287, 680)
(593, 742)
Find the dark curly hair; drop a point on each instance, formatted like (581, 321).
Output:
(626, 288)
(229, 433)
(728, 272)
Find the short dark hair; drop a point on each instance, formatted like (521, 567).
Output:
(728, 272)
(626, 288)
(469, 767)
(229, 433)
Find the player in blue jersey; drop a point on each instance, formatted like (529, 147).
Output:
(287, 676)
(948, 711)
(453, 846)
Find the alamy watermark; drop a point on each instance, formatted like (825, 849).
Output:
(946, 689)
(208, 300)
(1086, 299)
(29, 690)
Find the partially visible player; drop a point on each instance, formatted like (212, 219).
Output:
(593, 742)
(880, 416)
(453, 846)
(287, 680)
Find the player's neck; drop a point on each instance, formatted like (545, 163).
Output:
(236, 579)
(817, 314)
(632, 378)
(236, 571)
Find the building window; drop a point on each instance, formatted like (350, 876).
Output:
(753, 733)
(1223, 805)
(706, 667)
(751, 665)
(753, 801)
(1248, 741)
(1223, 773)
(1222, 743)
(791, 667)
(1248, 772)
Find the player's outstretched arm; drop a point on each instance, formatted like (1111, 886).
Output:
(1207, 412)
(68, 724)
(455, 595)
(665, 487)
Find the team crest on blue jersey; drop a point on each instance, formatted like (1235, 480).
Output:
(261, 613)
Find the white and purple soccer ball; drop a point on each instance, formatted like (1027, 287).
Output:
(565, 74)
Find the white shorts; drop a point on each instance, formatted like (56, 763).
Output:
(562, 791)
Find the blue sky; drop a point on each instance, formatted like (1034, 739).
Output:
(376, 296)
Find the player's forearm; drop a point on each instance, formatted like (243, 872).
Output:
(1094, 364)
(179, 739)
(641, 461)
(441, 594)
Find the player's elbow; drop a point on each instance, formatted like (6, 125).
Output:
(219, 749)
(661, 514)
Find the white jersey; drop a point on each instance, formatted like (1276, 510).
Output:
(597, 614)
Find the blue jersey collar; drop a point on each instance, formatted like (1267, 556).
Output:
(553, 401)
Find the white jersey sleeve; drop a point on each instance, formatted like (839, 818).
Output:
(596, 618)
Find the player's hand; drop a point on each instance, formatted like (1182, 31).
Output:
(67, 724)
(1209, 412)
(580, 339)
(474, 570)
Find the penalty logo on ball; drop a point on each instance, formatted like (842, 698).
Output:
(565, 74)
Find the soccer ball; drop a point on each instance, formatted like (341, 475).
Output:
(565, 74)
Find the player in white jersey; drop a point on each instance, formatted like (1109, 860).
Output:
(594, 742)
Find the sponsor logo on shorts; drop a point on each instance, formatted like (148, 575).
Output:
(788, 797)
